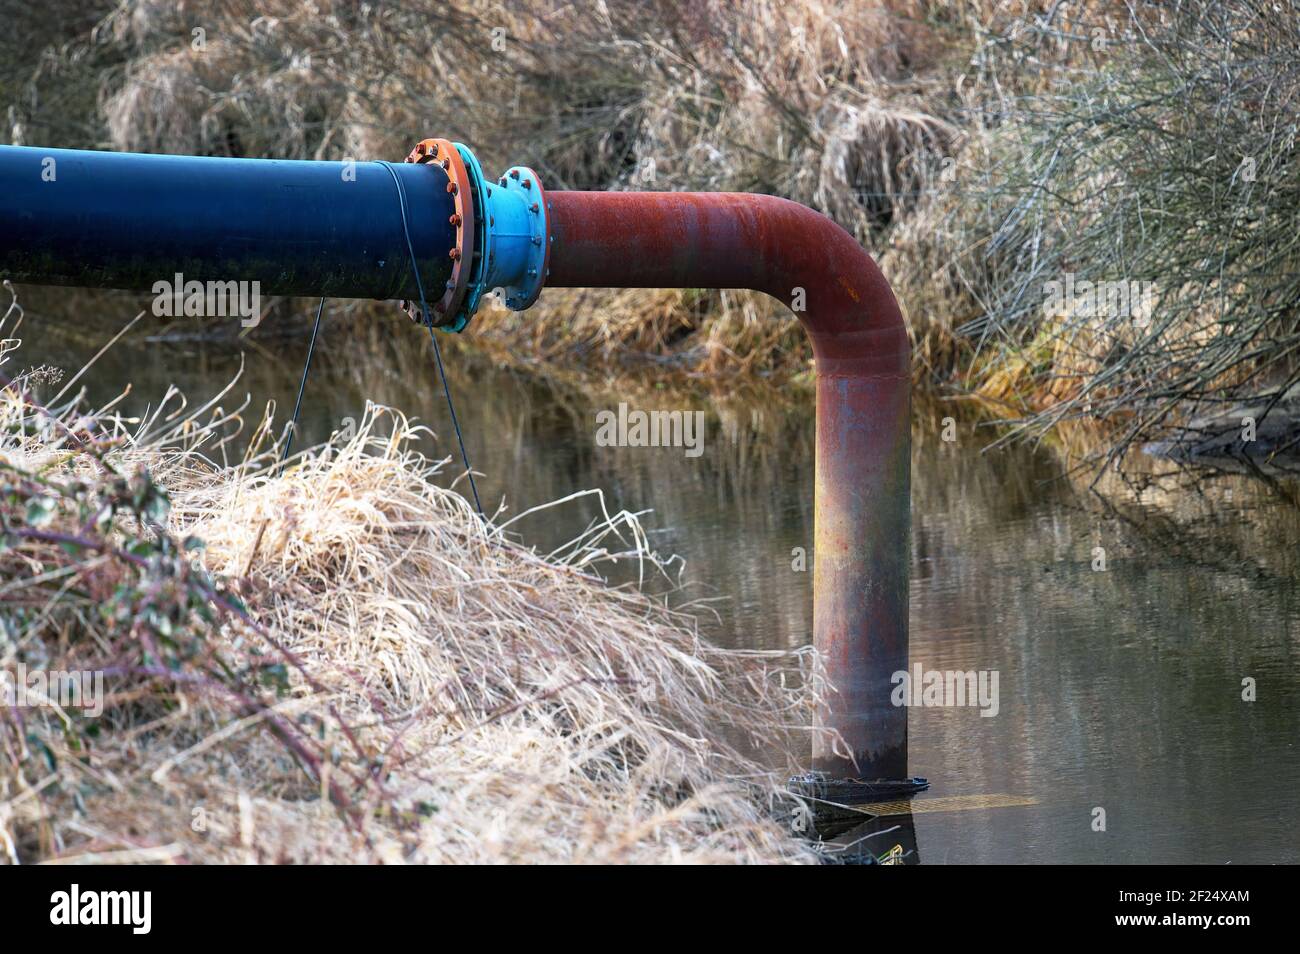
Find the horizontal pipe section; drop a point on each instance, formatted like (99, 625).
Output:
(862, 551)
(123, 220)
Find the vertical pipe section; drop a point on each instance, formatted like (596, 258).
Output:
(863, 499)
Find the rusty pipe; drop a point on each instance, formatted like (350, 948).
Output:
(863, 500)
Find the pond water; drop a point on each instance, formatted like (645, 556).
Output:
(1120, 688)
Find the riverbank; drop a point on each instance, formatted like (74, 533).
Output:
(343, 662)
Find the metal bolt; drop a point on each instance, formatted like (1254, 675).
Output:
(514, 173)
(537, 240)
(533, 208)
(451, 187)
(446, 163)
(528, 183)
(502, 180)
(454, 254)
(455, 219)
(532, 273)
(434, 150)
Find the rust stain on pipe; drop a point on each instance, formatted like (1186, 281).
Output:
(863, 498)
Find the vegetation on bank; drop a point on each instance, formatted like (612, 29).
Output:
(340, 661)
(985, 151)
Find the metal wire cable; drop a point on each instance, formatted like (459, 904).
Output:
(302, 385)
(437, 351)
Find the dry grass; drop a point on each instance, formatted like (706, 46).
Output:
(1167, 157)
(449, 696)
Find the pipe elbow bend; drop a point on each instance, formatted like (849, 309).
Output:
(736, 240)
(836, 290)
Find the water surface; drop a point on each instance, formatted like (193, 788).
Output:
(1120, 688)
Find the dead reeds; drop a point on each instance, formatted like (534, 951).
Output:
(344, 662)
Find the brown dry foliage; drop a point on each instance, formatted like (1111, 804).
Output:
(449, 696)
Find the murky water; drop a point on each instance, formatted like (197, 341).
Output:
(1120, 689)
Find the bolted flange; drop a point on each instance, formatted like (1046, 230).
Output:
(502, 235)
(521, 238)
(448, 311)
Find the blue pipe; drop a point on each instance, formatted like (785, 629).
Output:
(123, 220)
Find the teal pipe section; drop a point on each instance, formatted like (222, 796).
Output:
(510, 236)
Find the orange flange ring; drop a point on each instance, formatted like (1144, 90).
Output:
(443, 153)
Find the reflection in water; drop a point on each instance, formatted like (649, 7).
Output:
(885, 841)
(1121, 688)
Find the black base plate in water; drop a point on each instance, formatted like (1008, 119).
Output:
(855, 791)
